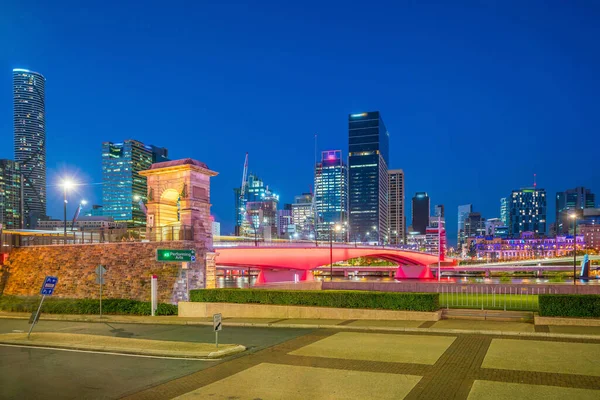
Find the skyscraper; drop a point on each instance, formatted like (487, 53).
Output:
(397, 222)
(303, 215)
(504, 211)
(10, 194)
(474, 225)
(439, 210)
(571, 200)
(527, 211)
(30, 141)
(255, 192)
(123, 187)
(368, 160)
(463, 213)
(331, 193)
(420, 212)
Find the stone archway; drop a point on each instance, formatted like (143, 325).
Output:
(179, 201)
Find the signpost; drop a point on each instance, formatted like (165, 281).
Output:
(100, 271)
(154, 294)
(167, 255)
(47, 290)
(217, 326)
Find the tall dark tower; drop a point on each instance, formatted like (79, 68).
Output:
(420, 212)
(30, 142)
(368, 160)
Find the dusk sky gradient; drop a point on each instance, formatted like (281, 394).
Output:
(477, 95)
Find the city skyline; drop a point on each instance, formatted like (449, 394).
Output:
(73, 145)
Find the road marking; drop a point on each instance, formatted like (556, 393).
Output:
(110, 353)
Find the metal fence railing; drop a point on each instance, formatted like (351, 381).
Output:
(503, 297)
(8, 240)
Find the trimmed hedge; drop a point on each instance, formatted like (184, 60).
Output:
(322, 298)
(569, 305)
(83, 306)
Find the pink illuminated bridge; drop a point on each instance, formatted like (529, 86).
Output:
(295, 262)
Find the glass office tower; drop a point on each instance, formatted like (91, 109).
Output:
(29, 117)
(368, 160)
(420, 212)
(571, 201)
(123, 186)
(463, 213)
(10, 194)
(331, 195)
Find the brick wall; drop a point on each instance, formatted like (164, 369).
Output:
(129, 268)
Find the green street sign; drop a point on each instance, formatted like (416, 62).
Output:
(166, 255)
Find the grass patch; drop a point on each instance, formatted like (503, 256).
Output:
(83, 306)
(322, 298)
(490, 301)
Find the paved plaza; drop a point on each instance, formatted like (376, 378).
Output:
(326, 364)
(317, 364)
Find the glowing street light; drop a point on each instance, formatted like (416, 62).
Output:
(337, 229)
(574, 218)
(66, 184)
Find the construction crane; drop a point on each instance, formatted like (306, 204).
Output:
(244, 178)
(243, 221)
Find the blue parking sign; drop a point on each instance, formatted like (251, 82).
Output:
(49, 285)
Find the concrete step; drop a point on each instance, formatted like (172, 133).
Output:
(487, 315)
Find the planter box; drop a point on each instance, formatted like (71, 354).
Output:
(231, 310)
(566, 321)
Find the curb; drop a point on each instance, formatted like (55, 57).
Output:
(335, 327)
(107, 349)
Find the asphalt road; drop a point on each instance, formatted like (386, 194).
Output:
(29, 373)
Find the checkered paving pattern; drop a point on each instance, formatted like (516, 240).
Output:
(451, 376)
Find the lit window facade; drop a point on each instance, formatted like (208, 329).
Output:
(368, 160)
(504, 212)
(526, 246)
(303, 215)
(397, 222)
(463, 213)
(122, 185)
(29, 118)
(568, 202)
(10, 194)
(527, 211)
(331, 194)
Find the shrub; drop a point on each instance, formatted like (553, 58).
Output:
(569, 305)
(322, 298)
(83, 306)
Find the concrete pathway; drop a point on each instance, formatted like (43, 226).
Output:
(442, 326)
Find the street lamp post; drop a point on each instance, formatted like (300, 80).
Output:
(337, 229)
(66, 185)
(574, 217)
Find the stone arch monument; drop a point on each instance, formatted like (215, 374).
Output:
(178, 210)
(178, 201)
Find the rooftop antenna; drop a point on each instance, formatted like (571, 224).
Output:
(534, 181)
(315, 151)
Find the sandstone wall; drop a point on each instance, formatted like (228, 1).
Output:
(129, 268)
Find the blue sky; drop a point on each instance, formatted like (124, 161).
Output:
(477, 95)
